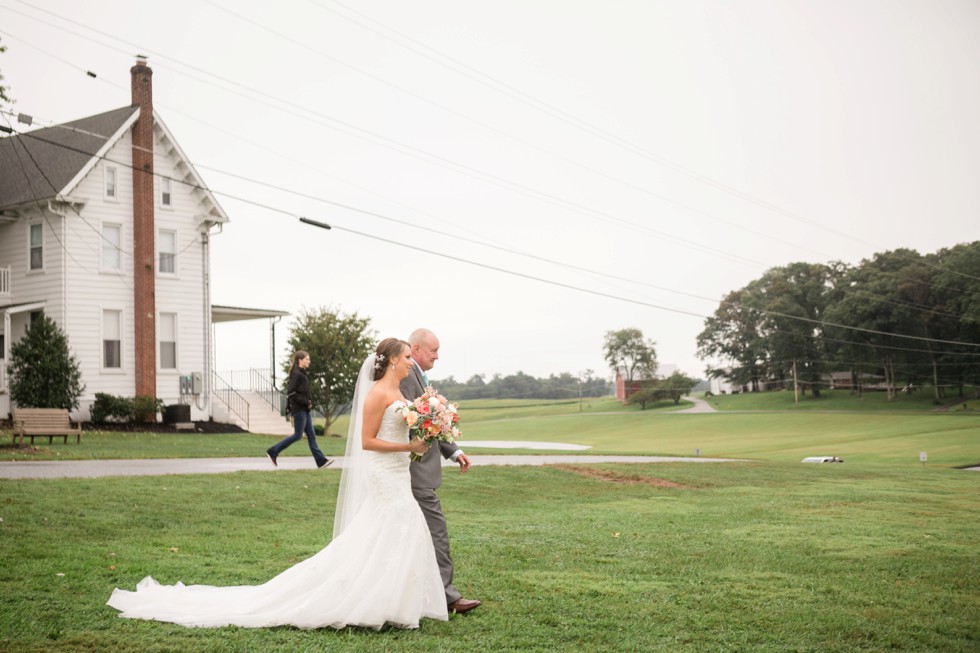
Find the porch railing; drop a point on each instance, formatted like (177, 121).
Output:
(230, 397)
(256, 381)
(260, 384)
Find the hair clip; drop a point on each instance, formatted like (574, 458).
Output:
(381, 357)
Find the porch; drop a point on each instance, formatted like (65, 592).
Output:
(251, 397)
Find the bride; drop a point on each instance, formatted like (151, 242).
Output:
(380, 568)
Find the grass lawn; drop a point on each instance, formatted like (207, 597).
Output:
(879, 553)
(678, 557)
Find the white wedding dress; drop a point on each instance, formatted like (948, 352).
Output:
(380, 570)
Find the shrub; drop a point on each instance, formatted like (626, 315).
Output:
(145, 408)
(43, 371)
(111, 408)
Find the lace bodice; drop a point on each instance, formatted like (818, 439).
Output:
(388, 471)
(393, 425)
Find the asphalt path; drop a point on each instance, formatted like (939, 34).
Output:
(700, 406)
(162, 467)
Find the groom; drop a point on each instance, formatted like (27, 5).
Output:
(427, 472)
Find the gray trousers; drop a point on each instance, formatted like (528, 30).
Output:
(432, 509)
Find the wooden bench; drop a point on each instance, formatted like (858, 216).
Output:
(44, 422)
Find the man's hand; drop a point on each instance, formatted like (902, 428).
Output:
(464, 462)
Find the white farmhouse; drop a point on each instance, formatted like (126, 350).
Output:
(105, 228)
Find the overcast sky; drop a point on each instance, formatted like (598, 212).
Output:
(533, 174)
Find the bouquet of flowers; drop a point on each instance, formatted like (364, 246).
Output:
(431, 417)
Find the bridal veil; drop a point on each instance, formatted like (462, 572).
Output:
(353, 479)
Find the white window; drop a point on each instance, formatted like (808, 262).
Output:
(111, 185)
(37, 247)
(111, 247)
(111, 339)
(167, 249)
(166, 192)
(167, 331)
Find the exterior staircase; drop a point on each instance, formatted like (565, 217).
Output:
(246, 399)
(262, 418)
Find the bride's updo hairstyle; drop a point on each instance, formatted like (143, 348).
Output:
(387, 350)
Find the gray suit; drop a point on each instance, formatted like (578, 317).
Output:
(426, 477)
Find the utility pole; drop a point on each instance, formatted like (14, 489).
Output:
(796, 388)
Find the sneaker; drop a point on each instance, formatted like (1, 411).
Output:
(326, 464)
(272, 457)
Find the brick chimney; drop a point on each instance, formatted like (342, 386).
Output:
(144, 250)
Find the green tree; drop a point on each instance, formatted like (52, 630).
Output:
(337, 344)
(629, 353)
(957, 310)
(676, 386)
(644, 396)
(793, 300)
(43, 371)
(883, 295)
(732, 337)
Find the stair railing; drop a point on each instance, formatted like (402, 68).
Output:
(230, 397)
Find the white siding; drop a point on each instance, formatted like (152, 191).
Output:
(182, 292)
(45, 284)
(90, 291)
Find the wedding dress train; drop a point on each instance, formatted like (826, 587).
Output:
(381, 569)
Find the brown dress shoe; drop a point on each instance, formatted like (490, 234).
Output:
(462, 606)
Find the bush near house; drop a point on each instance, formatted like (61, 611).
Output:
(43, 371)
(142, 408)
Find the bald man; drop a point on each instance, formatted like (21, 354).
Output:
(427, 472)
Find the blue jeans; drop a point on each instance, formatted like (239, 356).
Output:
(302, 422)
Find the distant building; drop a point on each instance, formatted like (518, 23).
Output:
(624, 389)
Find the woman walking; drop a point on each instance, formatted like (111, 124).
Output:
(299, 404)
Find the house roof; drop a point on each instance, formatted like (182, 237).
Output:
(42, 164)
(48, 163)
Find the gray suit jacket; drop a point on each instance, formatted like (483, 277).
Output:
(426, 473)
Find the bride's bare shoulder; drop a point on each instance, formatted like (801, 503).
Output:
(381, 398)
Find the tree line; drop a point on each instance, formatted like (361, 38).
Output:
(525, 386)
(902, 318)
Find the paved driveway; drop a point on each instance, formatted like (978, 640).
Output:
(160, 467)
(700, 406)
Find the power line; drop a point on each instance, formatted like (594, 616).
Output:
(536, 257)
(583, 125)
(37, 200)
(512, 272)
(452, 165)
(501, 132)
(445, 162)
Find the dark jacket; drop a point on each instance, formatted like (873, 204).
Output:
(298, 395)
